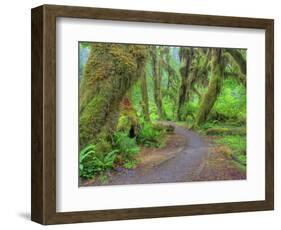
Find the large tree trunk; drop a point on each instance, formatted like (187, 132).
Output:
(157, 78)
(185, 71)
(110, 71)
(214, 87)
(168, 71)
(144, 95)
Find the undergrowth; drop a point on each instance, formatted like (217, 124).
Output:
(97, 162)
(151, 135)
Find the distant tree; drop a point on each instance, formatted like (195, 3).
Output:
(157, 79)
(237, 57)
(186, 55)
(144, 94)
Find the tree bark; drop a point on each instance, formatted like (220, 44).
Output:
(185, 70)
(110, 71)
(157, 78)
(214, 87)
(144, 95)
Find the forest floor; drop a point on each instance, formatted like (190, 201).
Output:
(186, 157)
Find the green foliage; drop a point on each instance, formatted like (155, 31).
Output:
(229, 135)
(226, 131)
(105, 161)
(129, 164)
(151, 135)
(126, 146)
(127, 149)
(93, 163)
(207, 125)
(136, 99)
(85, 161)
(153, 111)
(111, 72)
(169, 108)
(232, 101)
(103, 178)
(84, 44)
(241, 158)
(237, 143)
(190, 110)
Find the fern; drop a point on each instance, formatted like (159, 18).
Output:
(126, 146)
(92, 163)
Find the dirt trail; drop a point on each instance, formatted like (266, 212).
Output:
(184, 159)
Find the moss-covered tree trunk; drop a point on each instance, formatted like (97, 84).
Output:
(186, 55)
(214, 87)
(157, 78)
(239, 59)
(110, 71)
(169, 71)
(144, 95)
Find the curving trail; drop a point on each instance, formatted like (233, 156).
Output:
(182, 166)
(191, 160)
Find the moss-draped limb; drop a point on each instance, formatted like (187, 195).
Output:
(239, 59)
(110, 71)
(214, 87)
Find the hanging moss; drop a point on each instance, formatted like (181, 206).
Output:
(128, 120)
(186, 55)
(214, 87)
(110, 71)
(144, 96)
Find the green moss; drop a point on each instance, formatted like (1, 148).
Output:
(226, 131)
(110, 71)
(152, 135)
(237, 144)
(128, 117)
(213, 90)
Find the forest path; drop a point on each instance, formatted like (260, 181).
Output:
(185, 157)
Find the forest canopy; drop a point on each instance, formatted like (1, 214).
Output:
(128, 90)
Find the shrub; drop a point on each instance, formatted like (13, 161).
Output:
(206, 126)
(126, 146)
(232, 101)
(151, 135)
(92, 163)
(242, 159)
(130, 164)
(226, 131)
(85, 162)
(105, 161)
(235, 142)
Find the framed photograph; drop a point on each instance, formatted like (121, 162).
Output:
(140, 114)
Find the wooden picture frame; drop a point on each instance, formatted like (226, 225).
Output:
(43, 207)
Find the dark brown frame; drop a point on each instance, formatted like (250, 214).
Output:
(43, 188)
